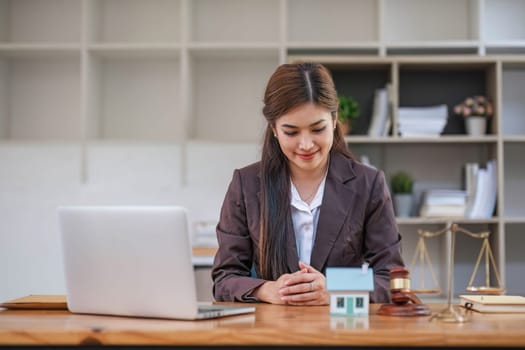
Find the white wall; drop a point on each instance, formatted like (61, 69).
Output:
(36, 178)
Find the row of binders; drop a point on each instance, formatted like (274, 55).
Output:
(476, 201)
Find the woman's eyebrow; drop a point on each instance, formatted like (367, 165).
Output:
(295, 127)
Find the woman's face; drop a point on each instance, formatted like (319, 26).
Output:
(306, 135)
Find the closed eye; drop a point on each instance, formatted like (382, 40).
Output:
(318, 130)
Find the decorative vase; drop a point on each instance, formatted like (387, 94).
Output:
(476, 125)
(403, 204)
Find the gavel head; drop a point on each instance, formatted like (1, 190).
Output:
(400, 285)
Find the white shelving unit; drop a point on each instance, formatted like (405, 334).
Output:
(124, 101)
(439, 162)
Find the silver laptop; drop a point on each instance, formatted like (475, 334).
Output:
(132, 261)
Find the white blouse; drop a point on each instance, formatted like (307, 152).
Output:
(305, 217)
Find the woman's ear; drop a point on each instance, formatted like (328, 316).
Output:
(274, 130)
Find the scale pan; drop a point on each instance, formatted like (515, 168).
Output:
(486, 290)
(426, 291)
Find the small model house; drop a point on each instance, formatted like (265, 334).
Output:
(349, 289)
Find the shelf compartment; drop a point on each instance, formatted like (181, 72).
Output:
(133, 98)
(116, 21)
(37, 21)
(433, 166)
(361, 81)
(503, 20)
(513, 95)
(227, 96)
(430, 20)
(345, 21)
(52, 85)
(447, 83)
(514, 182)
(235, 21)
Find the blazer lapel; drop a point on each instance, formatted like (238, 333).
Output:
(337, 201)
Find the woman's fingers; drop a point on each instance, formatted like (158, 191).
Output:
(307, 267)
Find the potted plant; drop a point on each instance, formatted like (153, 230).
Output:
(476, 110)
(348, 112)
(402, 186)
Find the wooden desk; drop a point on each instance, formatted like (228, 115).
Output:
(270, 325)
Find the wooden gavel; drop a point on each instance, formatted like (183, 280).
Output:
(405, 302)
(400, 287)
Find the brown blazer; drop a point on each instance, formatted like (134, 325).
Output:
(356, 224)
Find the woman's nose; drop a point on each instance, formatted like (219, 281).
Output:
(305, 142)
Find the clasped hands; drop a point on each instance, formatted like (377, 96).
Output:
(304, 287)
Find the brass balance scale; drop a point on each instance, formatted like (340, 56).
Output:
(422, 259)
(421, 256)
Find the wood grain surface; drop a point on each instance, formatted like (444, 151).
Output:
(269, 325)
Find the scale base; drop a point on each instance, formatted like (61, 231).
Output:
(406, 310)
(451, 315)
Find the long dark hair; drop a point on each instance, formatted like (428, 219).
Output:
(290, 86)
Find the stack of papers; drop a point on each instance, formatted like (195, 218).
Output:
(422, 121)
(444, 203)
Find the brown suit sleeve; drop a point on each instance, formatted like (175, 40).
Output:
(382, 241)
(232, 265)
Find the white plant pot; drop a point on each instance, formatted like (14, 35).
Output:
(476, 126)
(403, 204)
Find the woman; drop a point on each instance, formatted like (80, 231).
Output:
(305, 206)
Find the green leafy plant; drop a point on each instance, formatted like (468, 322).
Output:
(402, 182)
(348, 109)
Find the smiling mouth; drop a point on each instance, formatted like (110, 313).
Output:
(306, 156)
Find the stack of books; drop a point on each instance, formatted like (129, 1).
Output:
(444, 203)
(422, 121)
(494, 303)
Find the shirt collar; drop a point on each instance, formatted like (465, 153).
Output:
(298, 203)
